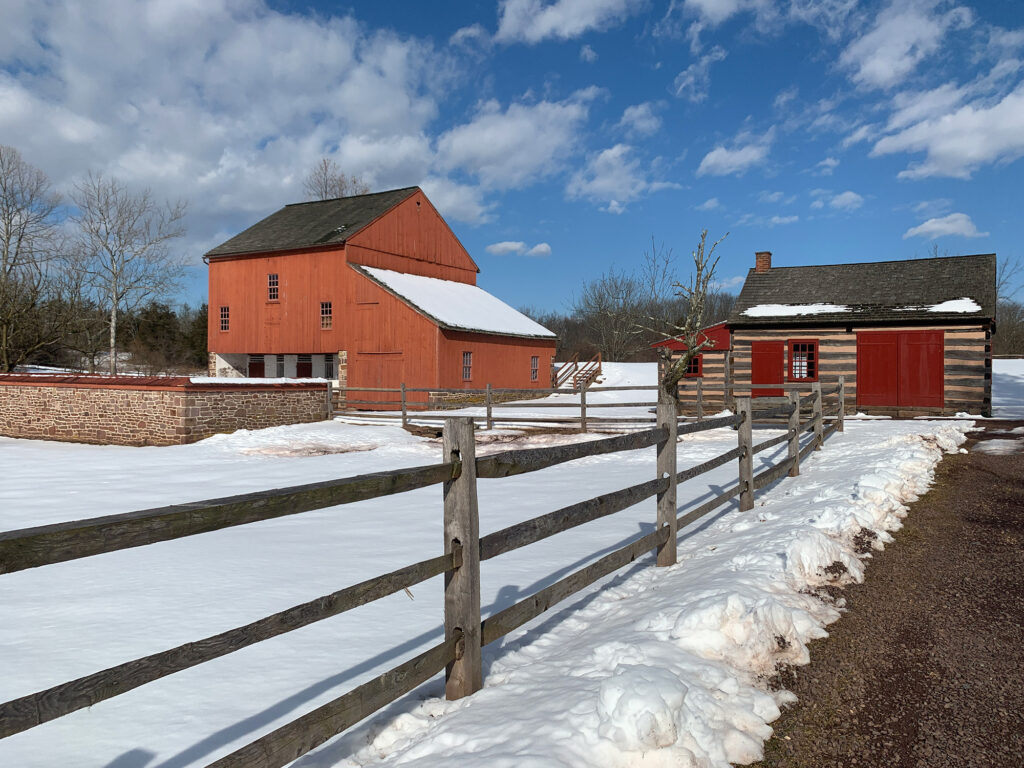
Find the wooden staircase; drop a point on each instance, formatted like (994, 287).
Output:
(579, 375)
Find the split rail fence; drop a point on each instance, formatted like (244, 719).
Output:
(459, 654)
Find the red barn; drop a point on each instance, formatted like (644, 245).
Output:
(371, 290)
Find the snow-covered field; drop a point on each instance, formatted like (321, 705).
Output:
(650, 667)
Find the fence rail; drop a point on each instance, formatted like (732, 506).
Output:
(465, 631)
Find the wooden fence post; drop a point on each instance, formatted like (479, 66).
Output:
(330, 401)
(842, 404)
(405, 411)
(818, 431)
(583, 408)
(700, 399)
(490, 409)
(745, 435)
(464, 676)
(668, 418)
(794, 433)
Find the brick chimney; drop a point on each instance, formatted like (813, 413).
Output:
(762, 261)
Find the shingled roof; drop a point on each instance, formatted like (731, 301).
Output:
(321, 222)
(915, 290)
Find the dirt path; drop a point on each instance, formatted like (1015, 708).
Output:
(927, 666)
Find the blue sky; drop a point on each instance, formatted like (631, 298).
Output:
(556, 136)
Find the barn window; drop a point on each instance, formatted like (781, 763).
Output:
(328, 366)
(326, 317)
(280, 366)
(467, 366)
(694, 367)
(272, 294)
(225, 318)
(534, 368)
(803, 360)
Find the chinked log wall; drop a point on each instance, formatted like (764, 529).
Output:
(968, 375)
(149, 411)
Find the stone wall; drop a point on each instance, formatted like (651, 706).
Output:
(149, 411)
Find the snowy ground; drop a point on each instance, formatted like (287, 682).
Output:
(1008, 389)
(651, 667)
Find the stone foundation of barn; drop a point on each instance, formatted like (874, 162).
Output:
(126, 410)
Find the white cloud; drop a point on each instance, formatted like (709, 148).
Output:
(506, 247)
(474, 34)
(953, 224)
(531, 21)
(694, 81)
(846, 201)
(613, 176)
(957, 143)
(777, 220)
(905, 33)
(747, 152)
(708, 205)
(726, 283)
(769, 15)
(861, 133)
(519, 248)
(929, 209)
(460, 202)
(764, 196)
(588, 54)
(511, 147)
(785, 97)
(826, 166)
(640, 120)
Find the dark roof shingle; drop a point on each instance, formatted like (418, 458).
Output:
(873, 291)
(321, 222)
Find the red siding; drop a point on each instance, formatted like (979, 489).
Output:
(501, 361)
(767, 366)
(412, 237)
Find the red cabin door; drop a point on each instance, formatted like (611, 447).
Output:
(921, 369)
(767, 366)
(900, 369)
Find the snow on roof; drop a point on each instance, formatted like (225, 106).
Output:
(956, 305)
(786, 310)
(457, 305)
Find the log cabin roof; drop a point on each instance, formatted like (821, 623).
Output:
(321, 222)
(935, 290)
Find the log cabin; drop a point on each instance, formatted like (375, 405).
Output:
(370, 290)
(911, 338)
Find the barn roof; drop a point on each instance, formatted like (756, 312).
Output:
(456, 306)
(321, 222)
(937, 290)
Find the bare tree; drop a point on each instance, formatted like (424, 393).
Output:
(326, 181)
(124, 247)
(1008, 273)
(33, 274)
(611, 307)
(695, 293)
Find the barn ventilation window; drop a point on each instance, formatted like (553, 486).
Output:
(694, 367)
(225, 318)
(272, 294)
(467, 366)
(280, 366)
(328, 366)
(803, 360)
(534, 368)
(326, 316)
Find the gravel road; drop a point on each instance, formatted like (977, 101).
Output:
(926, 668)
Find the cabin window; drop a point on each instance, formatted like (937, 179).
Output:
(803, 360)
(272, 294)
(280, 366)
(225, 318)
(534, 368)
(694, 367)
(328, 366)
(326, 316)
(467, 366)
